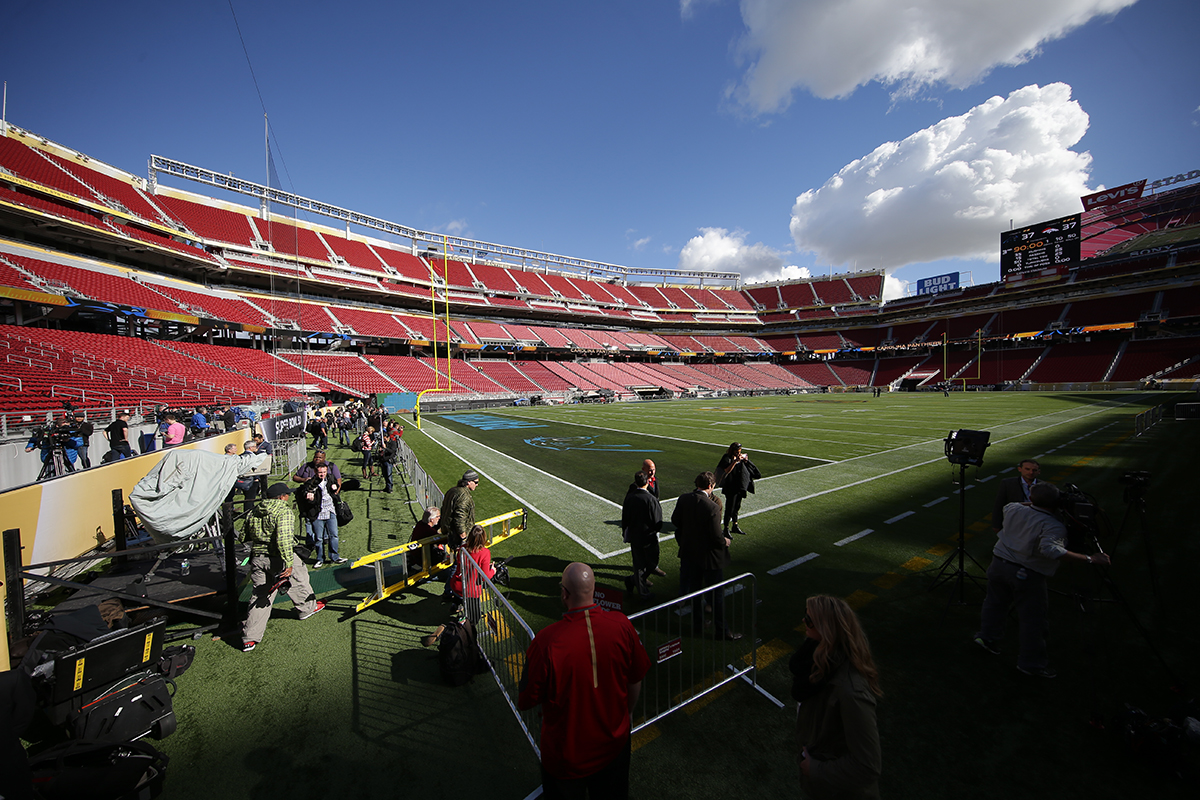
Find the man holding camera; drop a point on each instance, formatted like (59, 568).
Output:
(1029, 548)
(271, 532)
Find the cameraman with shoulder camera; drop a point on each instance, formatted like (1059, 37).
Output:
(1029, 548)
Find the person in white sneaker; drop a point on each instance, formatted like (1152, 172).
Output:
(271, 532)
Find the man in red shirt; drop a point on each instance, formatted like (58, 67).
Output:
(586, 672)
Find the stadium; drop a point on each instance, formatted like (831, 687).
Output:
(553, 375)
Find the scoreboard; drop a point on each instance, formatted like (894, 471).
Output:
(1053, 244)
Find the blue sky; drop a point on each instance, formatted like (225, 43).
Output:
(652, 134)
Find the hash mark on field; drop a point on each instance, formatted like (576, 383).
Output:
(888, 580)
(898, 517)
(933, 503)
(916, 564)
(645, 736)
(978, 526)
(985, 480)
(940, 549)
(1007, 469)
(794, 563)
(771, 651)
(859, 599)
(853, 538)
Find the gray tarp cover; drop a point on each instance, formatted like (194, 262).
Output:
(182, 492)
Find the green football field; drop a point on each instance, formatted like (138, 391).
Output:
(856, 500)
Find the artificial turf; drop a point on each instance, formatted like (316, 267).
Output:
(351, 706)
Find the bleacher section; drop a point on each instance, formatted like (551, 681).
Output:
(126, 242)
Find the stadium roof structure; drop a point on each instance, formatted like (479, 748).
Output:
(471, 248)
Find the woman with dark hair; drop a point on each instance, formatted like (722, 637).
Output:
(836, 682)
(368, 452)
(735, 475)
(474, 547)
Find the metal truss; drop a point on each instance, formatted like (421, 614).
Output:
(454, 245)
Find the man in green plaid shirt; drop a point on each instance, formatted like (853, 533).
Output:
(271, 532)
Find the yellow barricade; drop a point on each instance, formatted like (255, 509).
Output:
(496, 529)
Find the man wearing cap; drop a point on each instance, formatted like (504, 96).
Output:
(458, 517)
(458, 508)
(271, 530)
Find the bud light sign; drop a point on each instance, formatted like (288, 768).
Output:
(938, 283)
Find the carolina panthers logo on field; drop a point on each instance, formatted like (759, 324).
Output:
(582, 443)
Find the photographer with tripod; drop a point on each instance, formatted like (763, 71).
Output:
(1029, 548)
(59, 445)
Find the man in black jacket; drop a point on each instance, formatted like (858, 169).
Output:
(1016, 489)
(641, 520)
(702, 552)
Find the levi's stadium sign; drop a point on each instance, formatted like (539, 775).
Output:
(1053, 244)
(1117, 194)
(938, 283)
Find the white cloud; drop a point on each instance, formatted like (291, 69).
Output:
(688, 7)
(641, 243)
(893, 288)
(788, 273)
(718, 250)
(831, 47)
(456, 226)
(949, 190)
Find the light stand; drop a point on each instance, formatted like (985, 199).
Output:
(963, 448)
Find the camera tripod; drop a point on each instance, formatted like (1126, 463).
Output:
(56, 464)
(949, 571)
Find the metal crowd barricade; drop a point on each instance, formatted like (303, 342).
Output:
(503, 638)
(687, 665)
(497, 529)
(425, 490)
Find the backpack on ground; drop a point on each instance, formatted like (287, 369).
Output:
(356, 445)
(458, 654)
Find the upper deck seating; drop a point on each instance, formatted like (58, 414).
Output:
(564, 287)
(355, 253)
(766, 296)
(1026, 319)
(455, 271)
(648, 296)
(495, 279)
(832, 292)
(597, 291)
(410, 268)
(209, 221)
(799, 295)
(822, 341)
(290, 239)
(867, 287)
